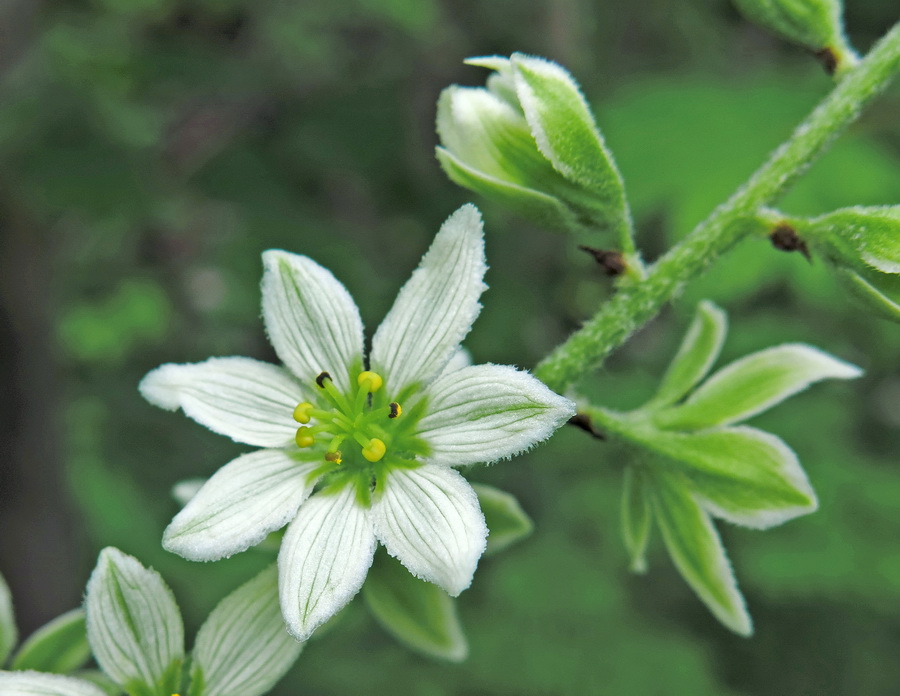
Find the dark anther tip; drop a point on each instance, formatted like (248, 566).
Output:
(785, 238)
(612, 262)
(583, 421)
(395, 409)
(320, 380)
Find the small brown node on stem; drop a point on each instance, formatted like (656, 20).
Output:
(785, 238)
(583, 421)
(828, 58)
(612, 262)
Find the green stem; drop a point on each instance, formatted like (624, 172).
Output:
(636, 304)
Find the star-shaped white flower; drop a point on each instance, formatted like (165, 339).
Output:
(377, 446)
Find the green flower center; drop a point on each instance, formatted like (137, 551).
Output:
(361, 435)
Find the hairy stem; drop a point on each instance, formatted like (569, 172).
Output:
(636, 304)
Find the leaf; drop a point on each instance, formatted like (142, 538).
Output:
(417, 613)
(134, 626)
(870, 235)
(60, 646)
(695, 548)
(877, 292)
(740, 474)
(507, 522)
(637, 517)
(9, 634)
(243, 648)
(699, 350)
(754, 384)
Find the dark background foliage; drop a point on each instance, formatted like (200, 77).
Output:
(151, 149)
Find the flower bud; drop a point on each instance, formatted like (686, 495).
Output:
(862, 245)
(814, 24)
(529, 140)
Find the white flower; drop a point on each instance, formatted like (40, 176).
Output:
(376, 445)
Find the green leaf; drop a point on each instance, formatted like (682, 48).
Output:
(695, 548)
(417, 613)
(754, 384)
(877, 292)
(699, 350)
(134, 626)
(40, 684)
(859, 235)
(9, 634)
(637, 517)
(243, 648)
(741, 474)
(566, 134)
(60, 646)
(507, 522)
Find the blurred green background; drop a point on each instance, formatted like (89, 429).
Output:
(151, 149)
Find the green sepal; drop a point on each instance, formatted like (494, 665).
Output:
(637, 517)
(100, 680)
(567, 135)
(814, 24)
(60, 646)
(698, 351)
(417, 613)
(696, 549)
(243, 648)
(506, 521)
(754, 384)
(9, 634)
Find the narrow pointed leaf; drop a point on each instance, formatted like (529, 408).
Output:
(877, 292)
(417, 613)
(867, 234)
(698, 352)
(60, 646)
(134, 626)
(695, 548)
(754, 384)
(507, 522)
(740, 474)
(566, 134)
(637, 518)
(41, 684)
(244, 648)
(9, 634)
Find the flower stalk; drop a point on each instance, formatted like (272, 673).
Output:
(638, 302)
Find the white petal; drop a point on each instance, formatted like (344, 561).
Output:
(247, 400)
(435, 309)
(246, 499)
(429, 519)
(460, 359)
(41, 684)
(483, 413)
(324, 558)
(312, 321)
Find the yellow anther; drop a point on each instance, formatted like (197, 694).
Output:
(375, 450)
(304, 437)
(370, 381)
(333, 457)
(301, 413)
(395, 410)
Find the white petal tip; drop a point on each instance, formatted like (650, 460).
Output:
(158, 387)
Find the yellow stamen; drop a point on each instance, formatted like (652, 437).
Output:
(304, 437)
(375, 450)
(370, 381)
(396, 410)
(301, 413)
